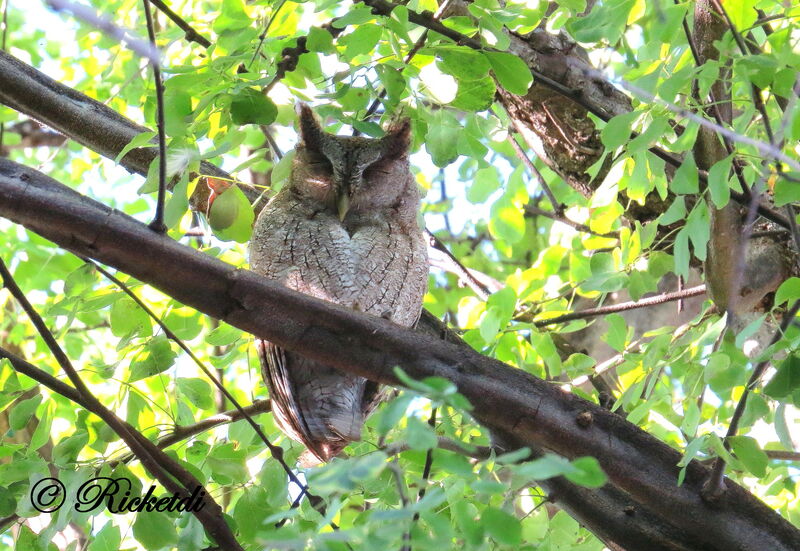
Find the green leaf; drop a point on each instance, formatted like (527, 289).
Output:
(224, 335)
(474, 95)
(675, 212)
(512, 73)
(320, 40)
(782, 427)
(606, 22)
(22, 412)
(545, 467)
(107, 539)
(356, 15)
(503, 527)
(177, 203)
(750, 454)
(418, 435)
(617, 332)
(361, 41)
(485, 182)
(231, 216)
(617, 131)
(251, 511)
(691, 418)
(681, 253)
(718, 181)
(587, 472)
(154, 530)
(463, 63)
(281, 170)
(392, 412)
(79, 280)
(67, 450)
(177, 109)
(128, 318)
(197, 391)
(184, 322)
(786, 380)
(157, 357)
(507, 221)
(789, 290)
(442, 138)
(8, 504)
(227, 464)
(392, 79)
(786, 191)
(344, 475)
(41, 435)
(251, 106)
(685, 180)
(698, 227)
(140, 140)
(232, 16)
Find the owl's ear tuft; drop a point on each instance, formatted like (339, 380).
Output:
(310, 129)
(398, 138)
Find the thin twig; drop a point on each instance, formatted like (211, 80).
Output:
(290, 55)
(536, 211)
(480, 453)
(180, 433)
(263, 34)
(764, 148)
(153, 458)
(411, 53)
(397, 472)
(141, 47)
(385, 8)
(623, 306)
(782, 455)
(714, 487)
(754, 91)
(465, 274)
(158, 221)
(276, 451)
(191, 34)
(714, 107)
(558, 208)
(426, 469)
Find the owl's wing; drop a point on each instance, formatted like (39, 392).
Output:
(284, 406)
(390, 280)
(391, 271)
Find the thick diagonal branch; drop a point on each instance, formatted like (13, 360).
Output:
(506, 399)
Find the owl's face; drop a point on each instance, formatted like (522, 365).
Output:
(352, 174)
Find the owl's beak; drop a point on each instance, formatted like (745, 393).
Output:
(342, 202)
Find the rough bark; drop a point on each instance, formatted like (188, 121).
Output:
(766, 260)
(83, 119)
(505, 399)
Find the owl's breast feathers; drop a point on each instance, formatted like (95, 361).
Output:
(372, 263)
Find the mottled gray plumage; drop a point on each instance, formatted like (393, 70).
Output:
(343, 229)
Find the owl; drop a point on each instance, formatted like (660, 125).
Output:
(343, 229)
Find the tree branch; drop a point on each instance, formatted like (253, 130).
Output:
(81, 118)
(623, 306)
(160, 465)
(535, 412)
(191, 34)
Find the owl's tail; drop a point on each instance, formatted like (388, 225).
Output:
(313, 404)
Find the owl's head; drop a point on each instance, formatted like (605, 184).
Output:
(353, 174)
